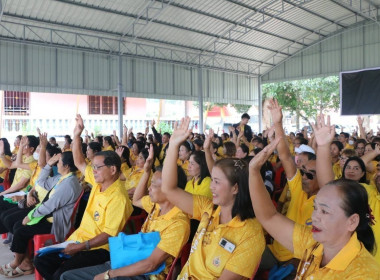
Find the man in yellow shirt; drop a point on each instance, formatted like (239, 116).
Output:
(303, 186)
(243, 125)
(164, 217)
(107, 211)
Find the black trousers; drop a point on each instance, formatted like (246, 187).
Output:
(10, 217)
(22, 234)
(51, 266)
(5, 205)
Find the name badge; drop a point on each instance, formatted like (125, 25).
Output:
(227, 245)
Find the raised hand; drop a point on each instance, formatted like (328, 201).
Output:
(43, 139)
(360, 120)
(125, 129)
(208, 140)
(38, 131)
(153, 123)
(324, 132)
(23, 142)
(149, 161)
(54, 159)
(275, 110)
(79, 126)
(259, 159)
(181, 132)
(120, 151)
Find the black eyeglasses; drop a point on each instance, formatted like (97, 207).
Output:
(309, 175)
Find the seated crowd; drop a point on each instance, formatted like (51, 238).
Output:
(294, 206)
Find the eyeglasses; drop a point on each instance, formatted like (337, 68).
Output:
(309, 175)
(96, 168)
(343, 158)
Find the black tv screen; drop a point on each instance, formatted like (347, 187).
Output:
(360, 92)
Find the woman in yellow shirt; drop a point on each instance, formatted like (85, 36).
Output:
(184, 156)
(108, 144)
(338, 245)
(200, 177)
(8, 154)
(229, 242)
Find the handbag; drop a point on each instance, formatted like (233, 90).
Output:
(129, 249)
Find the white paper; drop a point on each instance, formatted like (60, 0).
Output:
(62, 245)
(9, 195)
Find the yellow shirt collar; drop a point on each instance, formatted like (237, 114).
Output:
(345, 256)
(234, 223)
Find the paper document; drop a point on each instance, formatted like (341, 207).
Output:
(54, 248)
(9, 195)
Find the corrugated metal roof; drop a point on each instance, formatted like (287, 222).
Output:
(261, 32)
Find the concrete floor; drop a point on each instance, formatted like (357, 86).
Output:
(6, 256)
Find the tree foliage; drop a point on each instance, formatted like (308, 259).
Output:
(305, 98)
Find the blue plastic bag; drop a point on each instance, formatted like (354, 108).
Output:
(129, 249)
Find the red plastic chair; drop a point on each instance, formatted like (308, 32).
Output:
(41, 240)
(183, 256)
(135, 223)
(6, 183)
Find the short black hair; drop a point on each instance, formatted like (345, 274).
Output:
(110, 159)
(68, 159)
(95, 146)
(245, 116)
(33, 141)
(338, 144)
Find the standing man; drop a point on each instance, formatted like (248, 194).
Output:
(243, 125)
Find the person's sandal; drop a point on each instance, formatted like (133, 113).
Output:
(5, 268)
(17, 272)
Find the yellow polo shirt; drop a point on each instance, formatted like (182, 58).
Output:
(174, 229)
(184, 165)
(23, 173)
(36, 169)
(207, 258)
(337, 170)
(109, 148)
(220, 151)
(133, 176)
(106, 211)
(374, 203)
(202, 189)
(2, 165)
(352, 262)
(133, 157)
(299, 211)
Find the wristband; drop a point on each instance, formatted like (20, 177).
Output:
(88, 245)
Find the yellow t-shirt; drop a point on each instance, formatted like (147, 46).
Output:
(174, 229)
(299, 211)
(109, 148)
(337, 171)
(202, 189)
(352, 262)
(2, 165)
(133, 176)
(23, 173)
(106, 211)
(374, 203)
(133, 158)
(184, 165)
(208, 258)
(220, 151)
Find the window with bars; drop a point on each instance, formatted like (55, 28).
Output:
(103, 105)
(16, 103)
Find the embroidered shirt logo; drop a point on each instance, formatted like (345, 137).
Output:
(216, 261)
(96, 216)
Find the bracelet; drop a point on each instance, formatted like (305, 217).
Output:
(88, 245)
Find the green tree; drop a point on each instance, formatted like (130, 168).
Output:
(305, 98)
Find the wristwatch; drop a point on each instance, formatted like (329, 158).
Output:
(107, 275)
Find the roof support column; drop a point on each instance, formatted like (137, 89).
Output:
(260, 104)
(200, 99)
(120, 103)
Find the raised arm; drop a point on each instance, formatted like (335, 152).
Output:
(78, 156)
(324, 134)
(207, 148)
(43, 144)
(117, 142)
(277, 225)
(175, 195)
(7, 162)
(282, 147)
(362, 134)
(142, 185)
(368, 157)
(124, 141)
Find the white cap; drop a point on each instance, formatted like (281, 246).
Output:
(304, 148)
